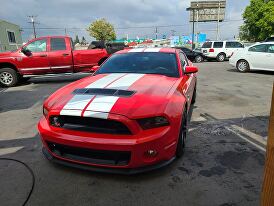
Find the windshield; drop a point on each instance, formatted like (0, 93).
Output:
(142, 62)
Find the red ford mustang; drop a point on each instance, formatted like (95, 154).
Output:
(129, 117)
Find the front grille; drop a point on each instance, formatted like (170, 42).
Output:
(101, 157)
(89, 124)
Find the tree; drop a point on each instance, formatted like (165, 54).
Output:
(102, 30)
(83, 42)
(258, 21)
(76, 41)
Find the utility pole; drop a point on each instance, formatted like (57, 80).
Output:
(156, 31)
(218, 22)
(32, 21)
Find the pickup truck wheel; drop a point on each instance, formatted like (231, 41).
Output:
(221, 57)
(8, 77)
(182, 137)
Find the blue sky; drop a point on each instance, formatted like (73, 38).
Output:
(79, 14)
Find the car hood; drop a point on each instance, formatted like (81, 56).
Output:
(130, 95)
(4, 54)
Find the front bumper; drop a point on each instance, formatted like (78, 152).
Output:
(163, 140)
(128, 171)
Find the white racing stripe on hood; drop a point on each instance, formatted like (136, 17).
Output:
(105, 103)
(79, 102)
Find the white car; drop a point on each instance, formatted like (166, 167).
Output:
(256, 57)
(221, 50)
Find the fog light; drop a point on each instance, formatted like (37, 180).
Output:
(151, 153)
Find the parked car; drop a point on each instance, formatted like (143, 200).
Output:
(257, 57)
(270, 39)
(111, 47)
(193, 55)
(129, 117)
(44, 55)
(221, 50)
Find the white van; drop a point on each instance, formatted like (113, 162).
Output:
(221, 50)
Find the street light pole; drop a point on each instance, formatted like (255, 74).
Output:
(193, 25)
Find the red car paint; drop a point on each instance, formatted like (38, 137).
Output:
(156, 95)
(62, 60)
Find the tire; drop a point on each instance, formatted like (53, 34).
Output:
(194, 95)
(221, 57)
(8, 77)
(199, 59)
(243, 66)
(182, 137)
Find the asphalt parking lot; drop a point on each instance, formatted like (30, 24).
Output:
(222, 166)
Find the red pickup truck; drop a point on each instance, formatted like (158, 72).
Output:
(44, 55)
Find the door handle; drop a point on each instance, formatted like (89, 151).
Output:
(43, 55)
(65, 55)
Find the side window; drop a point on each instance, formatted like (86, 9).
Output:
(229, 45)
(258, 48)
(218, 44)
(207, 45)
(270, 48)
(11, 37)
(183, 60)
(186, 50)
(37, 46)
(57, 44)
(238, 45)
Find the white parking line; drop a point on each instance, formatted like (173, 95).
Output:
(246, 139)
(254, 136)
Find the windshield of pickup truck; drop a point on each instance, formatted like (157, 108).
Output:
(142, 62)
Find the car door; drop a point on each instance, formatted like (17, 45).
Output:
(257, 56)
(270, 57)
(189, 85)
(60, 55)
(35, 60)
(232, 47)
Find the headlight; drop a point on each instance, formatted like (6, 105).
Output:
(45, 112)
(153, 122)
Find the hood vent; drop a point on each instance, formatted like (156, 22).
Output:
(105, 92)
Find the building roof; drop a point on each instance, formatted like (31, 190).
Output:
(1, 20)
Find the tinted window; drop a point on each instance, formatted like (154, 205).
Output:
(233, 45)
(270, 39)
(218, 45)
(270, 48)
(183, 60)
(207, 45)
(186, 50)
(258, 48)
(142, 62)
(11, 37)
(57, 44)
(37, 46)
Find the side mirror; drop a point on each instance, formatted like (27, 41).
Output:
(191, 70)
(95, 68)
(26, 52)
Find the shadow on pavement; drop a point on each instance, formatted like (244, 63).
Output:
(218, 168)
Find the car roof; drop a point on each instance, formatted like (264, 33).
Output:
(156, 49)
